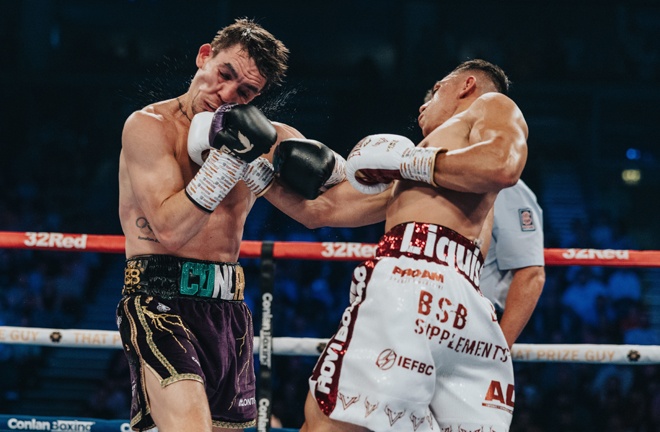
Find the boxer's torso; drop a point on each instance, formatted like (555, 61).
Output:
(462, 212)
(218, 240)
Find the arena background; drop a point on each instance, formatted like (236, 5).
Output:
(586, 75)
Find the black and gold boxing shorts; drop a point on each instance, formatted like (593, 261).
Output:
(171, 277)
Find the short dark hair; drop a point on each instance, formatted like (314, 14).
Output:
(269, 54)
(493, 72)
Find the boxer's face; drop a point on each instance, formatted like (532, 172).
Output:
(231, 76)
(439, 105)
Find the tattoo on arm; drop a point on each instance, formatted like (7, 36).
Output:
(146, 233)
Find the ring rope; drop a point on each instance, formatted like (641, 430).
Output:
(293, 346)
(330, 251)
(333, 251)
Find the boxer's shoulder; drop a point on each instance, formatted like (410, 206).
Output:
(150, 125)
(285, 131)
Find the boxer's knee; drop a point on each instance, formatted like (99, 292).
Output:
(181, 405)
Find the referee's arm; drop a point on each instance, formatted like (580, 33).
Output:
(521, 300)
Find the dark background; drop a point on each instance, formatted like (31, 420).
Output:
(586, 75)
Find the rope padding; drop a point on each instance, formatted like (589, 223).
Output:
(330, 251)
(291, 346)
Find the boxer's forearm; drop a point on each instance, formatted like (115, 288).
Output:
(340, 206)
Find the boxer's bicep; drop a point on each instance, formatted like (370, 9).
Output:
(501, 132)
(150, 161)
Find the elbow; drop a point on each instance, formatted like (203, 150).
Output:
(315, 225)
(314, 220)
(538, 280)
(507, 178)
(509, 174)
(309, 218)
(170, 240)
(500, 179)
(311, 224)
(506, 175)
(511, 163)
(318, 213)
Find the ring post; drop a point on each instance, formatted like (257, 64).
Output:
(264, 383)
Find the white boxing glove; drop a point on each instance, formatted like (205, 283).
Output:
(379, 159)
(198, 137)
(375, 161)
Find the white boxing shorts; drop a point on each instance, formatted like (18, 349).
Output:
(419, 348)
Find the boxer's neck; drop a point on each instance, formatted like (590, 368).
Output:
(181, 109)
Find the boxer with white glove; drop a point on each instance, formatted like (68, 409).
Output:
(379, 159)
(235, 136)
(308, 167)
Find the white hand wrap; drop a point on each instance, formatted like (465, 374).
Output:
(198, 137)
(419, 164)
(338, 172)
(217, 176)
(259, 176)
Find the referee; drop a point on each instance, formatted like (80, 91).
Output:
(514, 271)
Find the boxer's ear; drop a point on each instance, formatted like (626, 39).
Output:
(469, 85)
(205, 53)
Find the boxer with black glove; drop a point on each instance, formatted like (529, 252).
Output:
(234, 136)
(308, 167)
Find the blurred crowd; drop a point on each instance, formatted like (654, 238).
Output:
(590, 305)
(37, 289)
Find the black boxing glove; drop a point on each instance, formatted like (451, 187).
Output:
(308, 167)
(243, 130)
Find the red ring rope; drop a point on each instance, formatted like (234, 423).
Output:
(331, 251)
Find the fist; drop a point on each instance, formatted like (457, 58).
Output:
(198, 137)
(375, 161)
(243, 130)
(307, 167)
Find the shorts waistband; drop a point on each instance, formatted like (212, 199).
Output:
(433, 243)
(174, 277)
